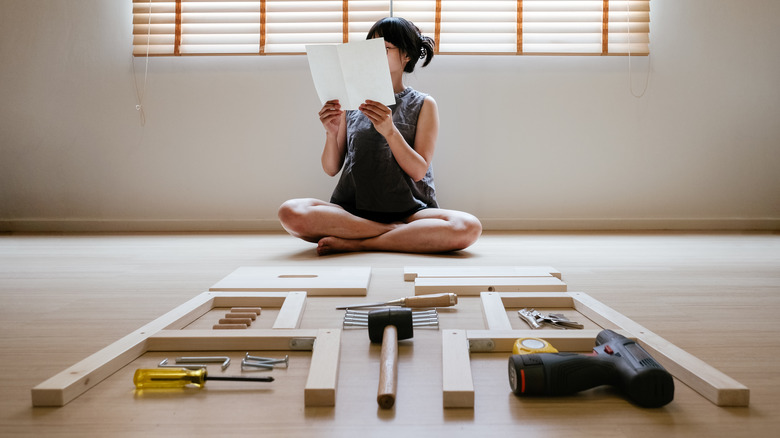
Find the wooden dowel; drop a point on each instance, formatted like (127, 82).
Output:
(229, 326)
(245, 321)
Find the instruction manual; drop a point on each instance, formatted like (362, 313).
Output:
(351, 72)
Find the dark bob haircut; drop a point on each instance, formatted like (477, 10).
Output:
(407, 37)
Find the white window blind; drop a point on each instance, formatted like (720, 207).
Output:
(522, 27)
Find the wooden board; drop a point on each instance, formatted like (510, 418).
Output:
(166, 334)
(315, 280)
(413, 272)
(713, 385)
(457, 383)
(475, 285)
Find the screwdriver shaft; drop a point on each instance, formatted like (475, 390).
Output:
(241, 379)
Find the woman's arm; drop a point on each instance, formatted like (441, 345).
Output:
(414, 161)
(335, 123)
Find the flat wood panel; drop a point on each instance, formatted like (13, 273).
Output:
(315, 280)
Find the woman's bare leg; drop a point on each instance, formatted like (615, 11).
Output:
(312, 219)
(431, 230)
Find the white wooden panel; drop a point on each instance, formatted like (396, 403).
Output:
(315, 280)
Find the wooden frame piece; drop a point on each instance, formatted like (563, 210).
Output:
(315, 280)
(475, 286)
(413, 272)
(472, 280)
(165, 334)
(710, 383)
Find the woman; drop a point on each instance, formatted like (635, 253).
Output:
(385, 199)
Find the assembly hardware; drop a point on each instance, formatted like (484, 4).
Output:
(224, 360)
(249, 364)
(419, 318)
(535, 319)
(267, 360)
(164, 364)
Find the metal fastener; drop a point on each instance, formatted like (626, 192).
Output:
(224, 360)
(266, 360)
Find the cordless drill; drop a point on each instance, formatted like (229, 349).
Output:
(616, 361)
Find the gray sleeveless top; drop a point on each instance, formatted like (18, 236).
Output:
(371, 179)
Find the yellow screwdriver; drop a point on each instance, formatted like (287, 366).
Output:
(181, 377)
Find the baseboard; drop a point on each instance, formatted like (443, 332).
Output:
(489, 224)
(629, 224)
(120, 226)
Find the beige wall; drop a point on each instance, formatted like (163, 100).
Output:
(525, 143)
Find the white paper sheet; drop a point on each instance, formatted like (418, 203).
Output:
(351, 72)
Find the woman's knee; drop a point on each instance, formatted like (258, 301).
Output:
(292, 214)
(472, 229)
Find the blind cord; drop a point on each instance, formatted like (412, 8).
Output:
(630, 70)
(140, 94)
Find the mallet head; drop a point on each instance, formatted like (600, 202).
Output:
(379, 319)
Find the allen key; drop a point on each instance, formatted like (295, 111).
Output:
(224, 360)
(164, 364)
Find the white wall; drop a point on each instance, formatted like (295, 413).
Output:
(525, 143)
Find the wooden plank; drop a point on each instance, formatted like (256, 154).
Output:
(501, 341)
(226, 340)
(77, 379)
(457, 382)
(249, 299)
(323, 376)
(413, 272)
(291, 313)
(534, 299)
(474, 286)
(315, 280)
(712, 384)
(494, 312)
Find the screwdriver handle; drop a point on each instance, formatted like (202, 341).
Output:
(168, 378)
(432, 300)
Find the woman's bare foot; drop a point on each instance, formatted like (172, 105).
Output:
(332, 245)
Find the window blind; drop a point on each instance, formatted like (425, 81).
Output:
(522, 27)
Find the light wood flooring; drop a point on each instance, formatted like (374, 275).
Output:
(63, 297)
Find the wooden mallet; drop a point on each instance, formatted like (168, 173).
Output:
(389, 326)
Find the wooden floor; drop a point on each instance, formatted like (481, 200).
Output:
(63, 297)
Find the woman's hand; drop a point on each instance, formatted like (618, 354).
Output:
(330, 116)
(380, 115)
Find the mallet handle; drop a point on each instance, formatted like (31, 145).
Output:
(388, 368)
